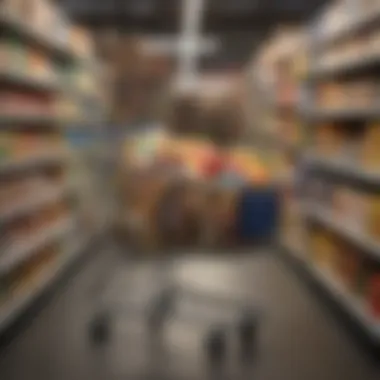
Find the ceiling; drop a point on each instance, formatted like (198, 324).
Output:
(240, 25)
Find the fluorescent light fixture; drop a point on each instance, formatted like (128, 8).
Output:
(177, 45)
(190, 37)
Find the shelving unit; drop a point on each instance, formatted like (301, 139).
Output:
(340, 179)
(48, 86)
(18, 305)
(357, 20)
(350, 234)
(10, 21)
(322, 81)
(343, 170)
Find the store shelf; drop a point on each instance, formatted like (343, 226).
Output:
(34, 38)
(23, 250)
(360, 65)
(15, 307)
(349, 303)
(24, 80)
(347, 114)
(28, 163)
(364, 23)
(330, 74)
(341, 228)
(68, 68)
(17, 121)
(28, 82)
(31, 205)
(341, 169)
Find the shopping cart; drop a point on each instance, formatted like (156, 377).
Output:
(148, 291)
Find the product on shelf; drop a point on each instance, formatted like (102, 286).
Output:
(16, 103)
(350, 262)
(348, 267)
(335, 256)
(5, 145)
(38, 66)
(12, 55)
(370, 152)
(374, 295)
(373, 222)
(367, 271)
(18, 192)
(81, 42)
(350, 207)
(18, 145)
(356, 95)
(328, 140)
(68, 110)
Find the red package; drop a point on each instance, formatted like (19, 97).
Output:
(374, 294)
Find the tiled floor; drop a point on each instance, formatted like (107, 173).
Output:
(299, 339)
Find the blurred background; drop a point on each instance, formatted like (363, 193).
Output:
(226, 147)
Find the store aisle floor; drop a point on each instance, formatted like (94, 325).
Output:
(299, 338)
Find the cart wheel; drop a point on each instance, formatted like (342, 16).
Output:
(216, 345)
(247, 333)
(99, 329)
(161, 309)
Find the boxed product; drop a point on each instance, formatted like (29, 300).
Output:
(333, 254)
(67, 109)
(323, 248)
(360, 94)
(336, 257)
(81, 42)
(6, 140)
(328, 140)
(41, 14)
(373, 219)
(13, 8)
(352, 148)
(39, 67)
(374, 294)
(4, 290)
(330, 96)
(363, 279)
(30, 11)
(370, 153)
(24, 103)
(11, 59)
(349, 266)
(351, 207)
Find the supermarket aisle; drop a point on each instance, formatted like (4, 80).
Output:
(299, 339)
